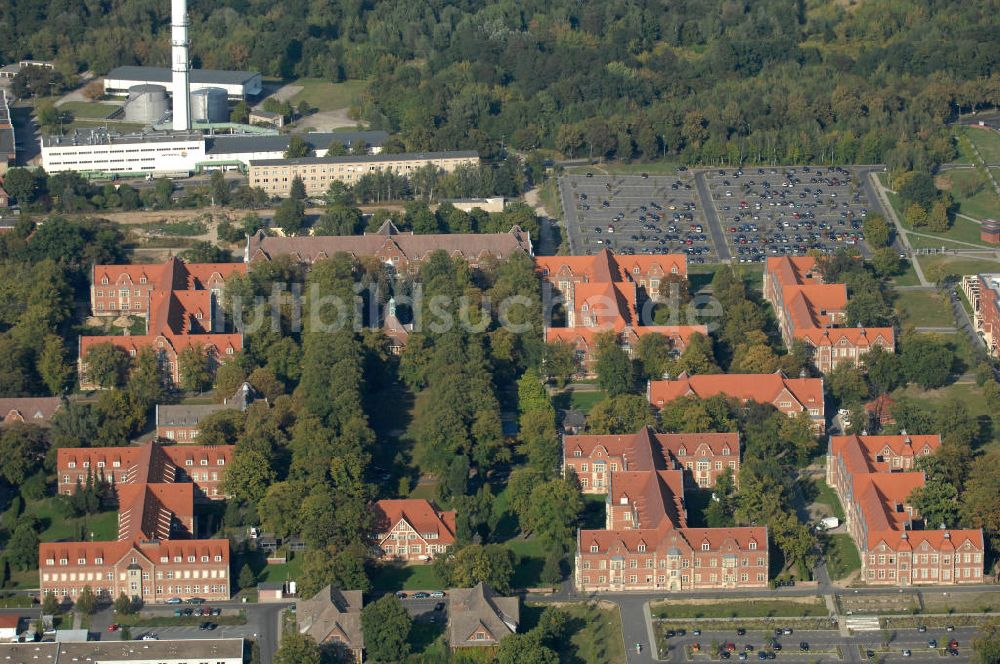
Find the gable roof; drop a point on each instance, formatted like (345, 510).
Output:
(762, 388)
(419, 513)
(864, 454)
(606, 266)
(332, 615)
(33, 410)
(472, 608)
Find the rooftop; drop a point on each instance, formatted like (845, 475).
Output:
(121, 651)
(236, 144)
(163, 75)
(370, 159)
(103, 136)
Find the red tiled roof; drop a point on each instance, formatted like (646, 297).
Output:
(419, 513)
(605, 266)
(939, 540)
(861, 453)
(680, 335)
(657, 497)
(762, 388)
(794, 269)
(8, 621)
(664, 538)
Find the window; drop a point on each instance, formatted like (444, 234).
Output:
(642, 549)
(753, 545)
(593, 548)
(705, 546)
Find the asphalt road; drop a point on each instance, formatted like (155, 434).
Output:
(712, 217)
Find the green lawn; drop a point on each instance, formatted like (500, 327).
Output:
(584, 401)
(987, 140)
(969, 394)
(58, 528)
(741, 608)
(923, 309)
(328, 96)
(85, 110)
(962, 230)
(176, 228)
(965, 153)
(391, 577)
(956, 265)
(290, 571)
(841, 556)
(595, 632)
(635, 168)
(907, 278)
(530, 560)
(984, 204)
(827, 496)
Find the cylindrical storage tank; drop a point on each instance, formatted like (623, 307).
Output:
(146, 103)
(210, 105)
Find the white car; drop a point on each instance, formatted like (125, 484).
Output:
(150, 637)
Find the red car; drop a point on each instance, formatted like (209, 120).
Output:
(730, 647)
(113, 627)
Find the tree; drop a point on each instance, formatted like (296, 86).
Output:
(554, 511)
(23, 448)
(340, 220)
(386, 626)
(620, 415)
(240, 113)
(876, 230)
(525, 649)
(847, 383)
(219, 187)
(698, 357)
(228, 378)
(938, 220)
(50, 605)
(247, 578)
(926, 360)
(986, 645)
(559, 362)
(86, 603)
(884, 370)
(916, 216)
(918, 189)
(754, 358)
(539, 440)
(290, 216)
(655, 353)
(55, 371)
(21, 184)
(615, 373)
(937, 499)
(249, 475)
(192, 364)
(298, 189)
(22, 548)
(106, 365)
(297, 648)
(124, 605)
(980, 501)
(297, 147)
(204, 251)
(492, 564)
(336, 148)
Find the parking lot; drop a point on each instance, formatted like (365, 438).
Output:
(633, 214)
(906, 645)
(787, 211)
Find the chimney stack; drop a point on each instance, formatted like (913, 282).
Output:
(180, 65)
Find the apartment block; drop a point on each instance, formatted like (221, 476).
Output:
(816, 313)
(874, 477)
(275, 176)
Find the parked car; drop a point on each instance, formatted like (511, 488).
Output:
(421, 595)
(804, 646)
(400, 594)
(174, 600)
(178, 613)
(150, 637)
(932, 643)
(113, 627)
(196, 600)
(439, 606)
(907, 652)
(437, 593)
(218, 612)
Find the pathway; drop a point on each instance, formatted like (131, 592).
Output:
(712, 218)
(982, 163)
(890, 214)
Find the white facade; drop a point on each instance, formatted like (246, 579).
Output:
(167, 156)
(119, 85)
(179, 651)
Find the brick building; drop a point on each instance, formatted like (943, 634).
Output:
(606, 292)
(126, 289)
(181, 304)
(181, 423)
(155, 556)
(701, 456)
(403, 251)
(29, 410)
(874, 478)
(790, 396)
(983, 292)
(816, 313)
(412, 530)
(646, 543)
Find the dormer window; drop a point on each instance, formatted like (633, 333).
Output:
(577, 453)
(98, 561)
(725, 451)
(204, 462)
(218, 559)
(623, 500)
(164, 559)
(593, 548)
(682, 452)
(753, 545)
(204, 559)
(635, 270)
(86, 464)
(584, 308)
(72, 464)
(81, 561)
(178, 559)
(642, 548)
(705, 546)
(190, 559)
(116, 464)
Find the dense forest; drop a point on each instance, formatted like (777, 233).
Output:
(714, 80)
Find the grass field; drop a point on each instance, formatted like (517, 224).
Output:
(961, 602)
(742, 608)
(88, 110)
(969, 394)
(530, 560)
(176, 228)
(290, 571)
(827, 496)
(328, 96)
(987, 140)
(650, 168)
(956, 265)
(962, 230)
(923, 309)
(964, 147)
(58, 528)
(595, 632)
(391, 577)
(907, 278)
(841, 556)
(984, 204)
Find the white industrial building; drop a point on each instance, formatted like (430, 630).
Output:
(175, 651)
(101, 152)
(237, 84)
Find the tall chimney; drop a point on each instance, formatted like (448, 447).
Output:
(181, 65)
